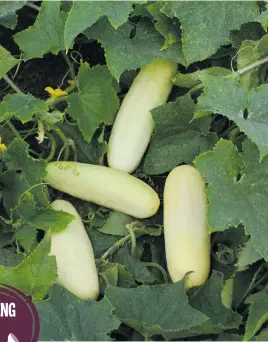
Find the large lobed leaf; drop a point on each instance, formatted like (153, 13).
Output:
(7, 61)
(22, 106)
(232, 199)
(25, 195)
(154, 310)
(123, 53)
(208, 300)
(24, 174)
(64, 317)
(258, 313)
(206, 25)
(96, 100)
(84, 14)
(46, 35)
(167, 27)
(177, 139)
(35, 274)
(225, 95)
(8, 16)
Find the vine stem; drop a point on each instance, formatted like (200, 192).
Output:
(61, 135)
(103, 276)
(52, 102)
(238, 72)
(115, 247)
(260, 281)
(133, 238)
(12, 84)
(66, 150)
(65, 142)
(253, 282)
(72, 143)
(29, 4)
(69, 63)
(252, 66)
(196, 88)
(32, 187)
(53, 147)
(160, 268)
(228, 130)
(118, 244)
(13, 129)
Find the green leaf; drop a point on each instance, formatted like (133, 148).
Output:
(242, 284)
(248, 255)
(264, 19)
(46, 35)
(226, 245)
(101, 242)
(108, 275)
(227, 293)
(207, 25)
(135, 267)
(125, 279)
(46, 219)
(123, 53)
(167, 27)
(95, 102)
(218, 91)
(8, 16)
(249, 31)
(154, 310)
(65, 317)
(35, 275)
(25, 174)
(115, 274)
(258, 313)
(116, 224)
(206, 328)
(6, 239)
(22, 106)
(192, 79)
(255, 126)
(26, 208)
(26, 236)
(84, 14)
(232, 201)
(28, 218)
(7, 62)
(208, 300)
(8, 257)
(177, 139)
(213, 99)
(92, 152)
(249, 53)
(140, 10)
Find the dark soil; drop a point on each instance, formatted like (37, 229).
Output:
(35, 75)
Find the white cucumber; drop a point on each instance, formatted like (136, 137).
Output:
(133, 126)
(104, 186)
(74, 254)
(187, 238)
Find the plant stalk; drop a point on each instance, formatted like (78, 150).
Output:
(12, 84)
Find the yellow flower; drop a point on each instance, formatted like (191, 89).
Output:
(54, 93)
(2, 146)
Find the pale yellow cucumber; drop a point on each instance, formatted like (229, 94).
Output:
(187, 239)
(104, 186)
(74, 254)
(133, 126)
